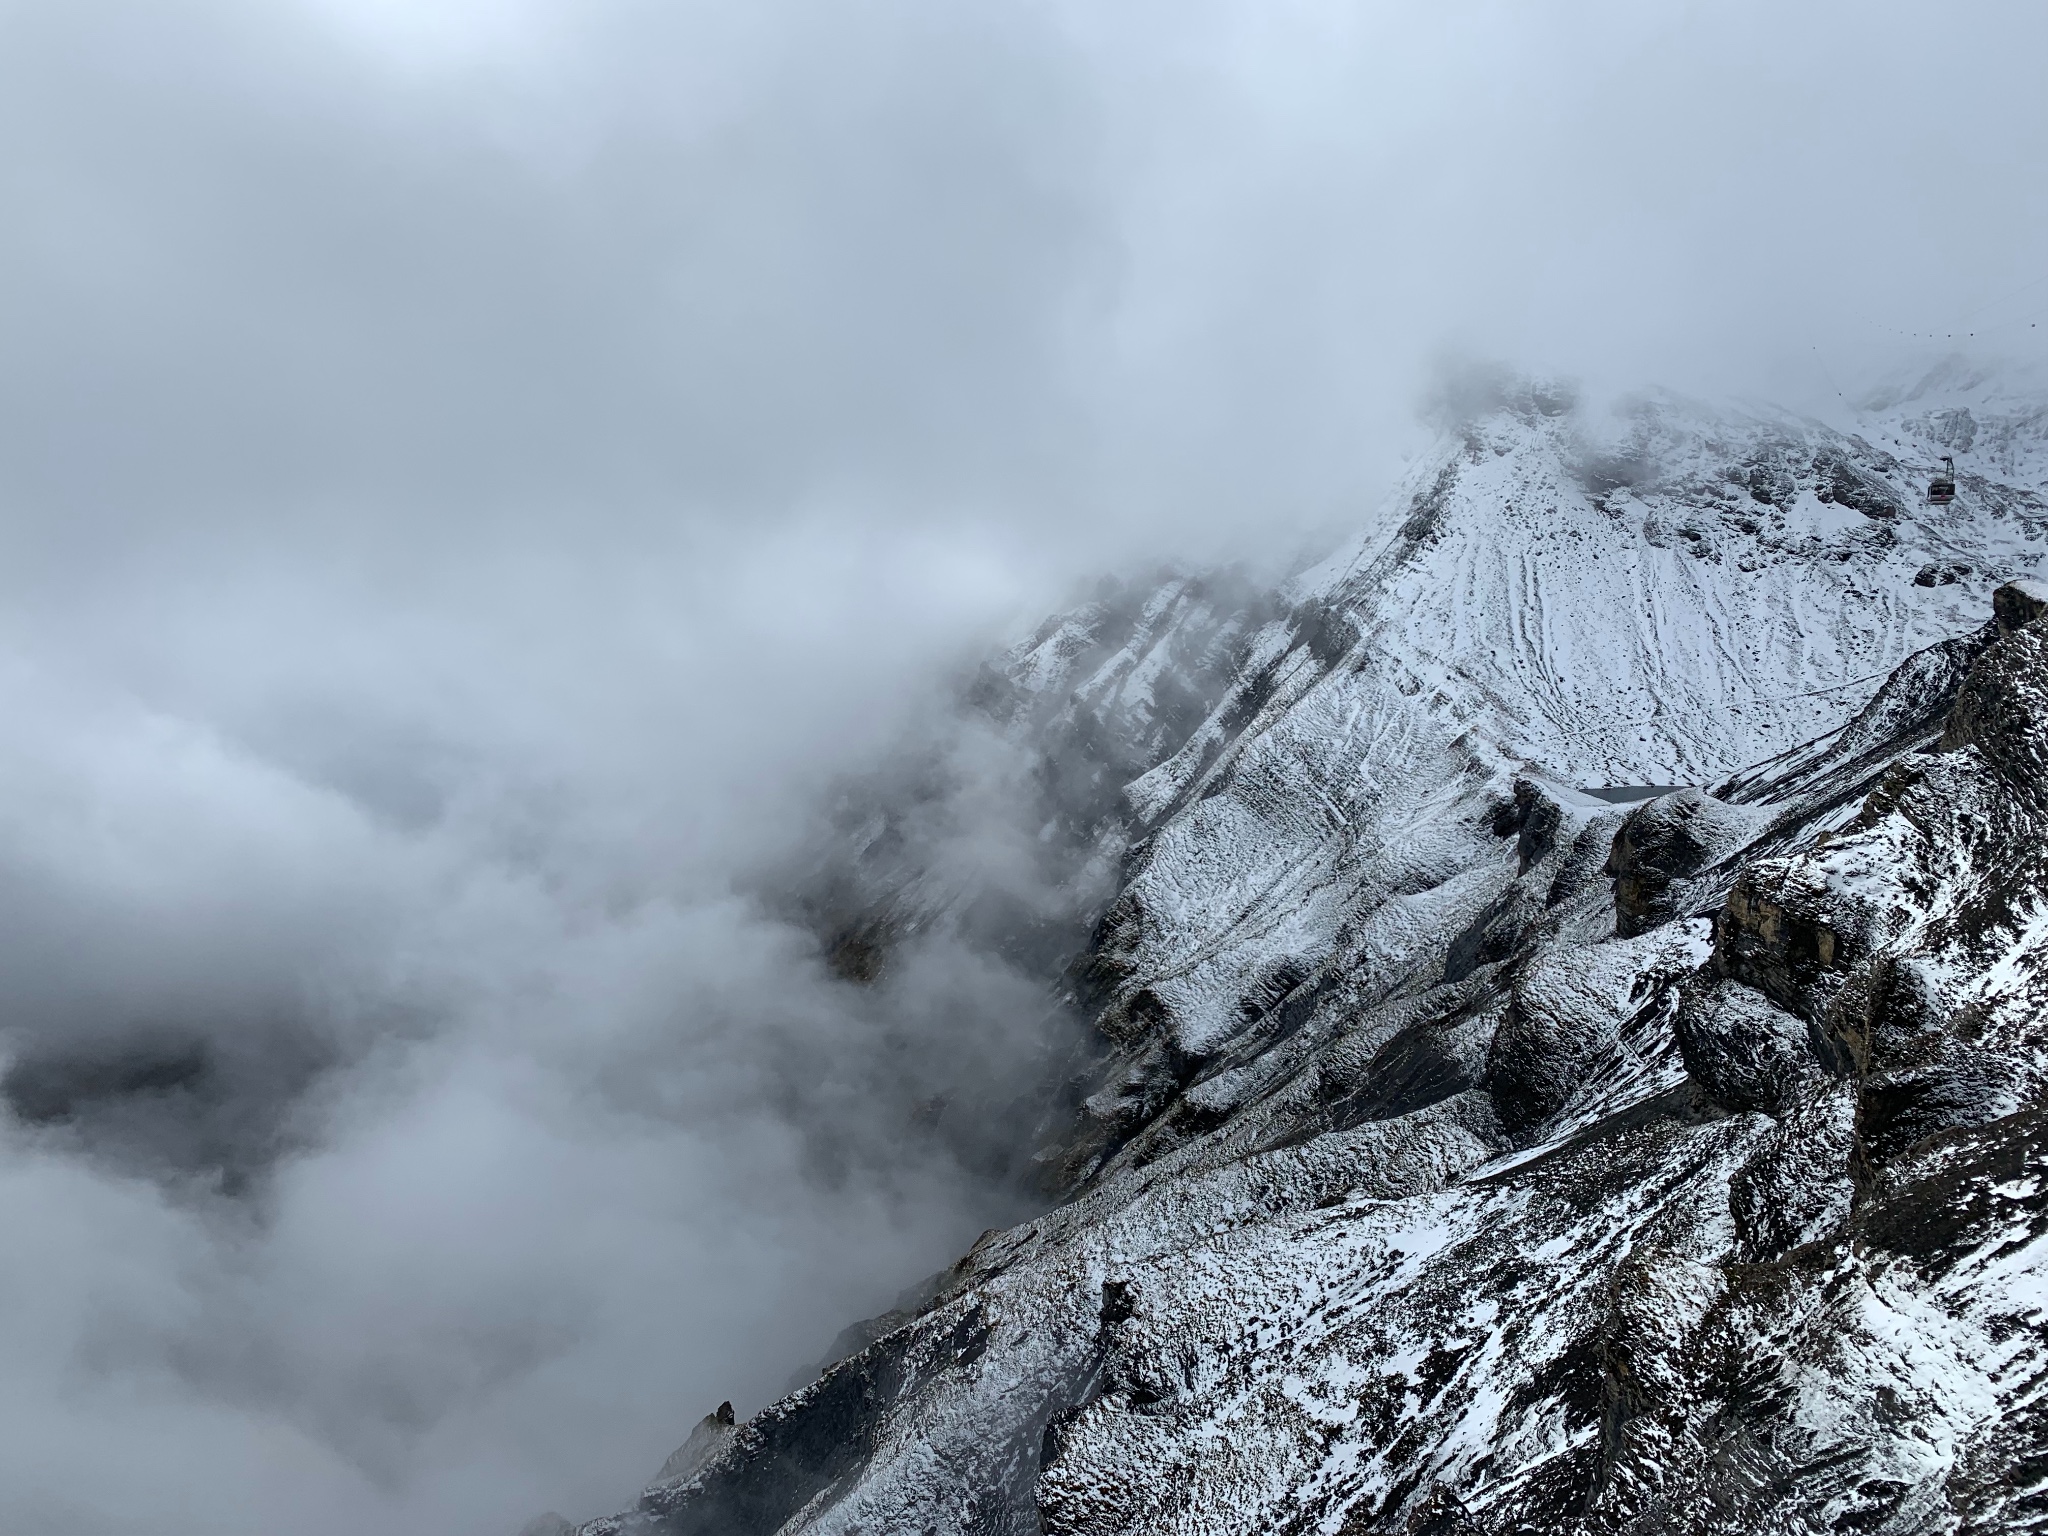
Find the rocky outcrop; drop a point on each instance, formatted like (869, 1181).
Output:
(1907, 940)
(708, 1440)
(1661, 846)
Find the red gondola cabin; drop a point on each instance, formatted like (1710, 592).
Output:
(1941, 490)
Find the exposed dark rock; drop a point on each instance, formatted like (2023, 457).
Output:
(1534, 818)
(712, 1434)
(1941, 573)
(1553, 1038)
(1441, 1514)
(1770, 482)
(1797, 1187)
(2018, 603)
(1784, 933)
(1836, 479)
(786, 1456)
(1747, 1052)
(1659, 846)
(1430, 1061)
(859, 953)
(1490, 937)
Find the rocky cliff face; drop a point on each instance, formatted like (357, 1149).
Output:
(1468, 1152)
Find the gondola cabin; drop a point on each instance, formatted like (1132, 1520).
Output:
(1941, 490)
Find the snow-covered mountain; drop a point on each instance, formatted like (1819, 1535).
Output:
(1467, 1151)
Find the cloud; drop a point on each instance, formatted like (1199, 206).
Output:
(477, 479)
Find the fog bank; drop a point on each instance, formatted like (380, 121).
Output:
(476, 481)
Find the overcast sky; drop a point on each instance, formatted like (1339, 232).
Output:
(474, 472)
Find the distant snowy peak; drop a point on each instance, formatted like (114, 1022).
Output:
(1959, 406)
(1666, 596)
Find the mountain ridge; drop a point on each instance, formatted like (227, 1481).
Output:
(1463, 1152)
